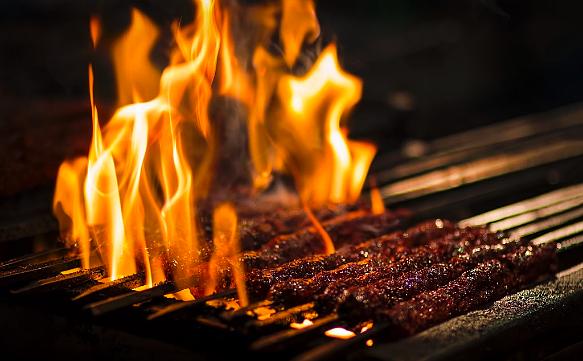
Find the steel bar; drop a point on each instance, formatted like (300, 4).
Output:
(36, 272)
(127, 282)
(34, 257)
(528, 205)
(125, 300)
(61, 281)
(290, 335)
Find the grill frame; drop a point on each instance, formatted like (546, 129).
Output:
(148, 322)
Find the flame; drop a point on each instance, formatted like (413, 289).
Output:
(299, 23)
(95, 30)
(136, 80)
(377, 204)
(326, 239)
(226, 243)
(326, 166)
(133, 199)
(68, 207)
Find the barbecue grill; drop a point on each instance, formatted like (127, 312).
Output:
(526, 182)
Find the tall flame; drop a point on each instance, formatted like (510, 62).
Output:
(327, 167)
(133, 200)
(226, 243)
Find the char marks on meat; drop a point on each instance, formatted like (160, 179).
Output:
(330, 285)
(409, 279)
(257, 231)
(347, 229)
(362, 301)
(487, 282)
(261, 280)
(350, 228)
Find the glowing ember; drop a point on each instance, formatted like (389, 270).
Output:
(305, 323)
(71, 271)
(263, 313)
(366, 327)
(228, 304)
(183, 295)
(133, 199)
(339, 332)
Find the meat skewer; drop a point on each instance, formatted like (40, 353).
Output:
(360, 302)
(369, 270)
(257, 231)
(351, 228)
(259, 281)
(486, 282)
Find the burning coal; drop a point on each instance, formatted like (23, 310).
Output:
(134, 199)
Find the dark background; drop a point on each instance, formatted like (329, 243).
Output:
(430, 68)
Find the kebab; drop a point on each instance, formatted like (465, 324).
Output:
(372, 269)
(261, 280)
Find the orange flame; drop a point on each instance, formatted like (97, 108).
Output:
(134, 198)
(68, 206)
(95, 30)
(226, 243)
(326, 239)
(377, 204)
(326, 166)
(299, 22)
(136, 81)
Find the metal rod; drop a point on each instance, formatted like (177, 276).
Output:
(286, 336)
(282, 316)
(525, 218)
(334, 348)
(127, 282)
(125, 300)
(30, 258)
(184, 305)
(479, 170)
(61, 281)
(241, 312)
(39, 271)
(532, 204)
(561, 233)
(547, 224)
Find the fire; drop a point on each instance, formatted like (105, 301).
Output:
(226, 243)
(134, 199)
(136, 81)
(377, 204)
(308, 132)
(305, 323)
(327, 240)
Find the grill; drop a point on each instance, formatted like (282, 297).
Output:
(519, 176)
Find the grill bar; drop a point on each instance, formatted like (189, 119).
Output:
(530, 205)
(127, 282)
(34, 258)
(115, 303)
(61, 281)
(36, 272)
